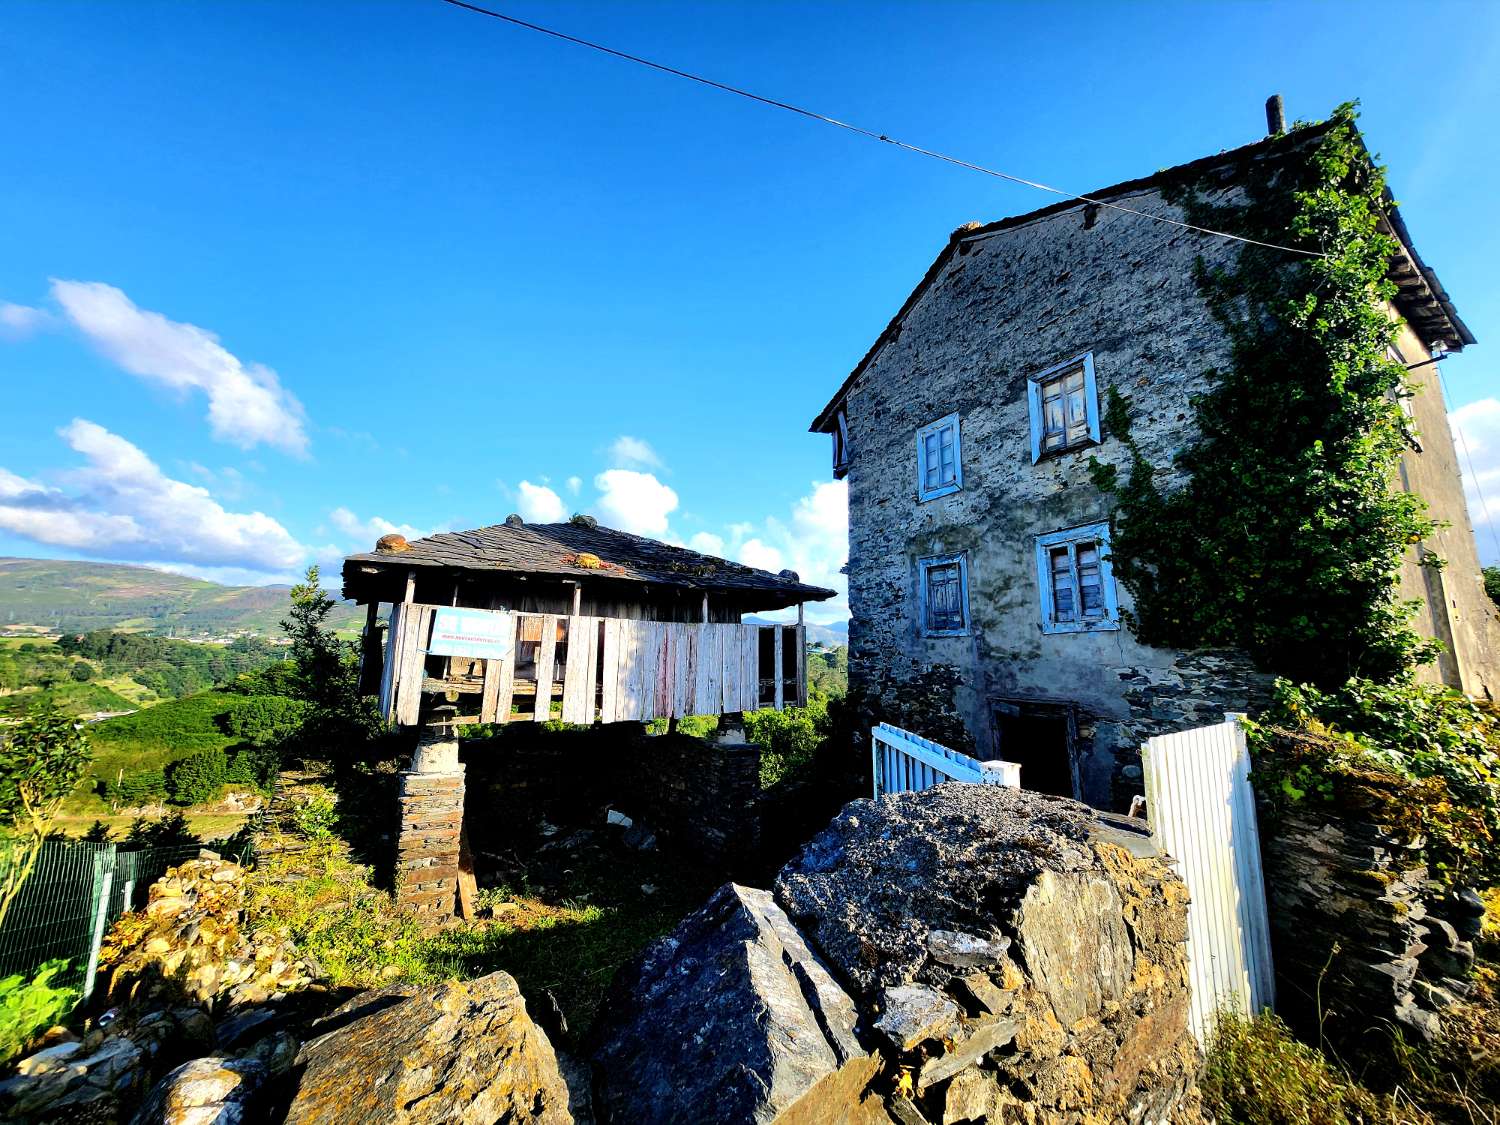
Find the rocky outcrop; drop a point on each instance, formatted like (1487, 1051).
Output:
(732, 1018)
(207, 1091)
(188, 943)
(1007, 956)
(103, 1075)
(462, 1051)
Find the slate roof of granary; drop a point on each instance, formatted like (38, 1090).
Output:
(1420, 296)
(553, 548)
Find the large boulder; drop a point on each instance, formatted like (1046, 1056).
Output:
(207, 1091)
(732, 1018)
(1021, 959)
(462, 1051)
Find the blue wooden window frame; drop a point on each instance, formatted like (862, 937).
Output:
(1064, 546)
(924, 568)
(942, 487)
(1035, 387)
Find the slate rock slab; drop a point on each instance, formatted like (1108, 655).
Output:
(462, 1051)
(731, 1019)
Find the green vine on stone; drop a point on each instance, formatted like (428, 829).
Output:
(1287, 538)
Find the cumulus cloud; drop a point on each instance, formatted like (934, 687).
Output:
(813, 540)
(707, 543)
(1476, 428)
(364, 533)
(120, 505)
(628, 452)
(19, 321)
(539, 504)
(634, 501)
(247, 405)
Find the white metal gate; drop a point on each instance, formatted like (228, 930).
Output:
(1202, 813)
(902, 762)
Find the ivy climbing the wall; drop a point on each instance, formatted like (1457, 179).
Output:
(1287, 539)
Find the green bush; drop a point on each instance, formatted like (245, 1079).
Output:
(197, 778)
(1257, 1074)
(254, 765)
(316, 812)
(81, 671)
(31, 1003)
(1334, 747)
(264, 720)
(788, 740)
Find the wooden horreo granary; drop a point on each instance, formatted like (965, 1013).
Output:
(607, 626)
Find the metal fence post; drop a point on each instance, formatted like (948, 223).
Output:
(101, 914)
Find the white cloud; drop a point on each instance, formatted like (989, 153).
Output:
(364, 533)
(574, 484)
(120, 505)
(632, 453)
(1476, 432)
(539, 504)
(755, 553)
(707, 543)
(814, 542)
(19, 321)
(247, 405)
(633, 501)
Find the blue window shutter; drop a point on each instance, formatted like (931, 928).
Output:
(1091, 396)
(1034, 401)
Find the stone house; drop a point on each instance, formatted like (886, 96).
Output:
(977, 538)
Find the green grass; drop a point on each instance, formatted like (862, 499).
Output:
(149, 739)
(69, 698)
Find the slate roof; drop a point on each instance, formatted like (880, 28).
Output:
(1420, 297)
(551, 548)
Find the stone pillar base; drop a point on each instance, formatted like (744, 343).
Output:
(432, 816)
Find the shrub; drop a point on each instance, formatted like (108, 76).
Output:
(197, 778)
(1257, 1074)
(1427, 755)
(254, 765)
(166, 832)
(31, 1003)
(81, 671)
(788, 740)
(316, 812)
(264, 720)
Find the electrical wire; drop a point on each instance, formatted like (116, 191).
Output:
(872, 135)
(1463, 443)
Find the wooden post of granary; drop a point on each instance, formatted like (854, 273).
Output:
(573, 621)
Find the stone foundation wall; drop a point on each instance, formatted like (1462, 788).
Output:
(703, 796)
(1362, 940)
(432, 814)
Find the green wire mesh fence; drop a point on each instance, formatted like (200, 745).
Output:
(73, 895)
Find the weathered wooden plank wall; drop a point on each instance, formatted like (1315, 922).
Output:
(609, 669)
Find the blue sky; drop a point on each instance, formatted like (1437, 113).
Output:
(277, 277)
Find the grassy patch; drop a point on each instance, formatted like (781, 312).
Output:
(570, 937)
(68, 698)
(149, 739)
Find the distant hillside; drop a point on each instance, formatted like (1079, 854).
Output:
(830, 636)
(75, 597)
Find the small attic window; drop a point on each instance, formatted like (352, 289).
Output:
(1064, 404)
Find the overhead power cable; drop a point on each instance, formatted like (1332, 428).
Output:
(1463, 443)
(871, 134)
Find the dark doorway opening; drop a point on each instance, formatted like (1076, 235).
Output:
(1041, 737)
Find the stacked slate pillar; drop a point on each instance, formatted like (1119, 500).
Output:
(432, 817)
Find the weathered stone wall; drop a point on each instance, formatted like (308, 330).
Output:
(1002, 309)
(702, 797)
(1361, 940)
